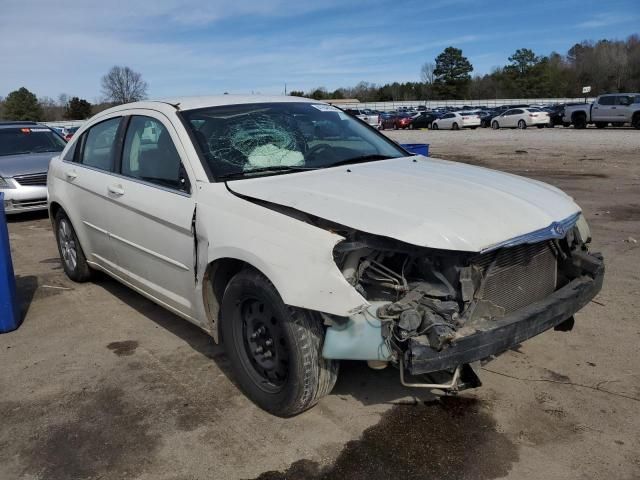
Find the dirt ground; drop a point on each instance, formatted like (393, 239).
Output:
(100, 383)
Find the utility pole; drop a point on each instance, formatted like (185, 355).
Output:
(285, 88)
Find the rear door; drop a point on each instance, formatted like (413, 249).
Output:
(623, 109)
(153, 237)
(88, 174)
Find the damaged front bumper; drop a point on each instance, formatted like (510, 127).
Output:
(496, 336)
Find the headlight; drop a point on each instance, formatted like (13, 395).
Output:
(4, 183)
(583, 233)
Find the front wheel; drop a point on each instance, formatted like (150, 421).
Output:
(495, 125)
(635, 122)
(74, 262)
(601, 124)
(434, 126)
(522, 125)
(275, 350)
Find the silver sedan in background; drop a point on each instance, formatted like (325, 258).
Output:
(25, 151)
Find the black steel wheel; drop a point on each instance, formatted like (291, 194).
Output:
(275, 350)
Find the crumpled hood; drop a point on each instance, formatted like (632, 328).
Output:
(418, 200)
(26, 163)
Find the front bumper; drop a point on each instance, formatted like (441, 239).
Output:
(25, 199)
(497, 336)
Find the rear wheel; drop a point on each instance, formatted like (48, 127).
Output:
(495, 125)
(635, 121)
(455, 126)
(522, 124)
(434, 126)
(541, 126)
(601, 124)
(275, 350)
(74, 262)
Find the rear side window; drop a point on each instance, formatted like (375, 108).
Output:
(149, 154)
(624, 100)
(100, 145)
(607, 100)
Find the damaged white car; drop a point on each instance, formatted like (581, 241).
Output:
(299, 236)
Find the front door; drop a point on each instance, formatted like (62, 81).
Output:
(153, 236)
(89, 204)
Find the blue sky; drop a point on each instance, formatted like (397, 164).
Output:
(191, 48)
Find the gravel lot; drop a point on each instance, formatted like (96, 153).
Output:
(100, 383)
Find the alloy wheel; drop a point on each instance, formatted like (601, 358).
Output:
(68, 246)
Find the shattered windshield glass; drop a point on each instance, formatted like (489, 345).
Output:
(248, 140)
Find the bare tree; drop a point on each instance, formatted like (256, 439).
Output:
(123, 85)
(427, 74)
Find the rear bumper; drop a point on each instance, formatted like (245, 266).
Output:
(498, 336)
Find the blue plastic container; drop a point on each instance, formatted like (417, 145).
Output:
(9, 312)
(417, 148)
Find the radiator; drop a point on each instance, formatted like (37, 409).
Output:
(518, 276)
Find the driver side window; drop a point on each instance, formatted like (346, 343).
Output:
(150, 155)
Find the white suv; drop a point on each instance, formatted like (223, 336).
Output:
(299, 237)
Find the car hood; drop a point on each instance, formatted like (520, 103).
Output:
(422, 201)
(12, 165)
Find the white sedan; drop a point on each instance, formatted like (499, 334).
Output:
(456, 121)
(521, 118)
(299, 237)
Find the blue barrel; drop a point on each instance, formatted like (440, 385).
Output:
(9, 312)
(417, 148)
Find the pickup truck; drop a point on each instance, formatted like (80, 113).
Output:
(615, 108)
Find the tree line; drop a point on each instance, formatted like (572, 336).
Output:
(605, 65)
(119, 85)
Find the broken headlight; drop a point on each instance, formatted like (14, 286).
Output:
(582, 231)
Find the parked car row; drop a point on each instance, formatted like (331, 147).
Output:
(611, 109)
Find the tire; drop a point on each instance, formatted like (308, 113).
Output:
(381, 126)
(434, 126)
(295, 375)
(522, 124)
(540, 126)
(495, 125)
(618, 124)
(71, 254)
(411, 127)
(580, 121)
(473, 128)
(455, 126)
(601, 124)
(635, 121)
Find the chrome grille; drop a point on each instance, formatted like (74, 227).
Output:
(518, 276)
(32, 180)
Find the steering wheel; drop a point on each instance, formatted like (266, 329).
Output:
(316, 149)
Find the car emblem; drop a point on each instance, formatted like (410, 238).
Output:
(558, 229)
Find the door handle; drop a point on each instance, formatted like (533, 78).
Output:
(71, 175)
(116, 190)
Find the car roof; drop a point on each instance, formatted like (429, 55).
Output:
(193, 103)
(18, 124)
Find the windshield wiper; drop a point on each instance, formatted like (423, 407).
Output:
(360, 159)
(273, 168)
